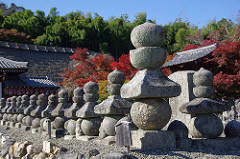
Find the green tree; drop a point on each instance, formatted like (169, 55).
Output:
(176, 35)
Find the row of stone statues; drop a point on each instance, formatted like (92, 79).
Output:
(149, 110)
(84, 117)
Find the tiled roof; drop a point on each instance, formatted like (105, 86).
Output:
(6, 64)
(32, 82)
(190, 55)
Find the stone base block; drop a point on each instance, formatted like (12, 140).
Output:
(18, 125)
(106, 141)
(57, 133)
(44, 133)
(3, 123)
(40, 130)
(8, 123)
(221, 143)
(12, 124)
(69, 137)
(184, 144)
(153, 139)
(25, 128)
(86, 138)
(34, 130)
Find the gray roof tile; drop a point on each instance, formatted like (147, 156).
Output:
(190, 55)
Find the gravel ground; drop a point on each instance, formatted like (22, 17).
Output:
(76, 146)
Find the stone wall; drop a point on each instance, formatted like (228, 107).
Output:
(40, 63)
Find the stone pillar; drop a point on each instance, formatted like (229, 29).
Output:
(204, 123)
(185, 80)
(113, 108)
(150, 112)
(58, 114)
(70, 125)
(36, 113)
(89, 122)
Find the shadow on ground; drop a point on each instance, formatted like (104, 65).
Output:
(182, 153)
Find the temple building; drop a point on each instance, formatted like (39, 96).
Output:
(13, 83)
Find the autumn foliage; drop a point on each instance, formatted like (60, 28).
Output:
(224, 61)
(94, 68)
(13, 35)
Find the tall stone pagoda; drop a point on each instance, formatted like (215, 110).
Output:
(150, 112)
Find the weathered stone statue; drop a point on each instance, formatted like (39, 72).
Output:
(114, 107)
(24, 104)
(4, 111)
(78, 103)
(2, 105)
(12, 108)
(204, 123)
(58, 113)
(46, 113)
(150, 112)
(32, 106)
(89, 122)
(52, 102)
(7, 105)
(36, 113)
(70, 125)
(12, 116)
(20, 111)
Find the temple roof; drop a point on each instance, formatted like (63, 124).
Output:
(7, 65)
(30, 81)
(190, 55)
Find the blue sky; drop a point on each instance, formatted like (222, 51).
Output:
(197, 12)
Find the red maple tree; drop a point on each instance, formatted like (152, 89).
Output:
(94, 68)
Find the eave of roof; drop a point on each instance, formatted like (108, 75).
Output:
(31, 82)
(7, 64)
(190, 55)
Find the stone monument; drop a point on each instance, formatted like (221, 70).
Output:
(70, 125)
(2, 105)
(150, 112)
(185, 80)
(114, 107)
(12, 112)
(204, 122)
(89, 122)
(46, 113)
(36, 113)
(4, 111)
(58, 113)
(32, 106)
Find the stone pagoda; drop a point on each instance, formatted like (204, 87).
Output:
(204, 122)
(89, 122)
(150, 112)
(114, 107)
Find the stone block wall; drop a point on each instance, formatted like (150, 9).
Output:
(40, 63)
